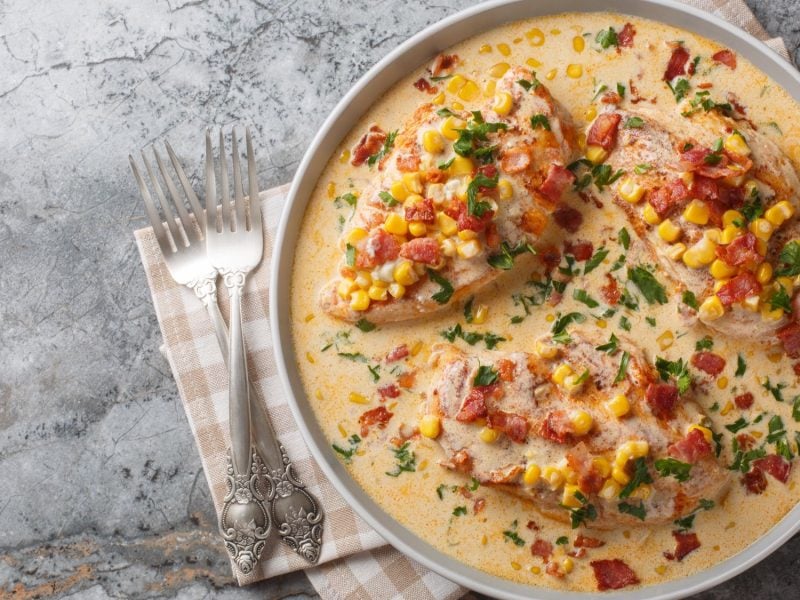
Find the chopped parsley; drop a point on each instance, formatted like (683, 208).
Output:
(388, 144)
(775, 390)
(780, 299)
(512, 536)
(704, 344)
(680, 89)
(623, 367)
(446, 292)
(354, 356)
(561, 323)
(505, 259)
(347, 453)
(789, 260)
(610, 347)
(579, 516)
(459, 510)
(350, 255)
(365, 325)
(406, 461)
(349, 197)
(375, 373)
(677, 369)
(446, 165)
(642, 168)
(737, 425)
(486, 375)
(651, 289)
(638, 511)
(671, 467)
(689, 299)
(584, 297)
(687, 522)
(477, 131)
(640, 476)
(471, 337)
(624, 238)
(540, 121)
(607, 38)
(741, 365)
(529, 85)
(594, 262)
(624, 323)
(388, 199)
(702, 101)
(796, 408)
(474, 206)
(633, 123)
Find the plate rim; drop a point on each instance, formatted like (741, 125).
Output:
(381, 77)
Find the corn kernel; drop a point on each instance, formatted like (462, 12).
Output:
(505, 191)
(417, 228)
(438, 98)
(619, 405)
(344, 156)
(345, 287)
(642, 492)
(602, 466)
(489, 88)
(610, 489)
(786, 283)
(359, 300)
(761, 247)
(455, 83)
(469, 92)
(730, 217)
(331, 189)
(574, 71)
(430, 426)
(413, 182)
(458, 106)
(533, 63)
(377, 292)
(485, 49)
(560, 373)
(363, 279)
(620, 475)
(696, 212)
(722, 382)
(504, 49)
(630, 191)
(589, 115)
(467, 235)
(395, 224)
(719, 269)
(480, 314)
(535, 570)
(704, 430)
(461, 165)
(404, 273)
(551, 74)
(669, 232)
(357, 398)
(448, 247)
(650, 215)
(398, 191)
(502, 103)
(450, 127)
(499, 69)
(553, 476)
(700, 254)
(768, 314)
(713, 234)
(578, 43)
(581, 422)
(447, 225)
(532, 474)
(779, 213)
(535, 36)
(469, 249)
(751, 303)
(596, 154)
(567, 565)
(729, 233)
(432, 141)
(355, 235)
(676, 251)
(665, 340)
(637, 448)
(568, 497)
(711, 309)
(488, 435)
(547, 351)
(736, 144)
(762, 229)
(397, 290)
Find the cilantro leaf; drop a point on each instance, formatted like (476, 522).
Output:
(486, 375)
(677, 469)
(446, 292)
(388, 144)
(651, 289)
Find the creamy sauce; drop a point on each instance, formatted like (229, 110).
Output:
(336, 386)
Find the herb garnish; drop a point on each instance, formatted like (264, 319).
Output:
(406, 461)
(638, 511)
(365, 325)
(670, 466)
(505, 259)
(651, 289)
(623, 367)
(347, 454)
(640, 476)
(677, 369)
(541, 121)
(789, 260)
(388, 144)
(443, 295)
(559, 329)
(607, 38)
(594, 262)
(486, 375)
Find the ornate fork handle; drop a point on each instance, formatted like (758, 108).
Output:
(294, 511)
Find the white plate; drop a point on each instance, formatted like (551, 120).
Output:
(416, 51)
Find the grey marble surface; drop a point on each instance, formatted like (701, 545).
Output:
(103, 495)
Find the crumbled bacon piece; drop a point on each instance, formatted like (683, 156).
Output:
(626, 35)
(542, 548)
(726, 57)
(422, 211)
(515, 160)
(662, 398)
(666, 199)
(556, 183)
(568, 218)
(377, 416)
(513, 425)
(685, 544)
(505, 369)
(740, 287)
(691, 448)
(406, 380)
(677, 63)
(376, 249)
(603, 131)
(708, 362)
(423, 85)
(389, 391)
(443, 64)
(398, 353)
(532, 525)
(789, 335)
(474, 405)
(423, 250)
(553, 569)
(460, 461)
(754, 481)
(583, 541)
(550, 257)
(744, 401)
(610, 291)
(458, 211)
(370, 143)
(775, 465)
(613, 574)
(742, 250)
(478, 505)
(611, 98)
(580, 249)
(556, 427)
(408, 162)
(746, 441)
(704, 188)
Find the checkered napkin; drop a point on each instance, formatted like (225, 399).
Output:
(355, 563)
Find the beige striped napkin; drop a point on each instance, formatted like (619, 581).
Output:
(356, 563)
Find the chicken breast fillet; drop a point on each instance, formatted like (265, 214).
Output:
(715, 200)
(453, 201)
(609, 439)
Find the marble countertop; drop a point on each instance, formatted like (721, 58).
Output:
(103, 490)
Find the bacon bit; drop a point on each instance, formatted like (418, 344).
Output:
(436, 175)
(478, 505)
(754, 481)
(726, 57)
(610, 291)
(686, 544)
(458, 211)
(742, 250)
(406, 380)
(389, 391)
(422, 250)
(705, 189)
(474, 405)
(677, 63)
(613, 574)
(740, 287)
(746, 441)
(532, 525)
(557, 181)
(398, 353)
(626, 35)
(583, 541)
(796, 369)
(377, 249)
(568, 218)
(493, 239)
(775, 465)
(635, 97)
(581, 250)
(534, 221)
(423, 85)
(542, 548)
(603, 131)
(370, 143)
(505, 369)
(734, 102)
(691, 448)
(515, 160)
(556, 427)
(579, 553)
(789, 335)
(611, 98)
(708, 362)
(662, 398)
(443, 64)
(743, 401)
(554, 570)
(377, 416)
(422, 211)
(666, 199)
(408, 162)
(460, 461)
(513, 425)
(705, 85)
(550, 257)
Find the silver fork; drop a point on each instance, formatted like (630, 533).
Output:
(234, 243)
